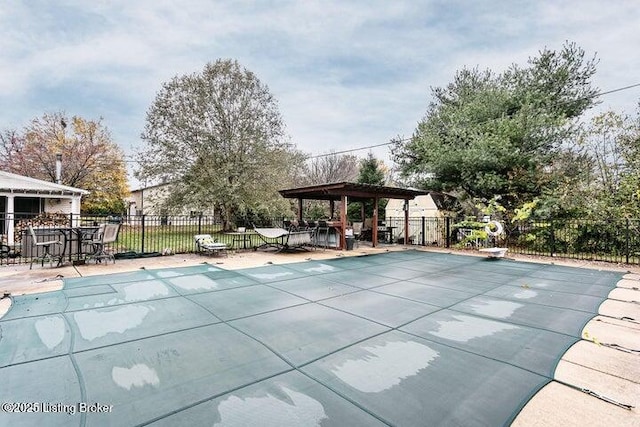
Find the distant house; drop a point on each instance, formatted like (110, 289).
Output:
(24, 197)
(149, 201)
(433, 207)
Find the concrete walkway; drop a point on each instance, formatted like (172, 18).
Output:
(597, 381)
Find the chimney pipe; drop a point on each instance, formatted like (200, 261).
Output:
(58, 168)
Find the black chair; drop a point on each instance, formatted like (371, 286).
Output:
(5, 252)
(322, 234)
(46, 245)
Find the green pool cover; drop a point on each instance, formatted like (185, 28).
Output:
(402, 338)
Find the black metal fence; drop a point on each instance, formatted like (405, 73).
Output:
(606, 240)
(143, 235)
(615, 240)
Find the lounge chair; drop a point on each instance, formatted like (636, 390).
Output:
(207, 246)
(283, 239)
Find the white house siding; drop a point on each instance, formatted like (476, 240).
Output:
(63, 206)
(56, 197)
(148, 201)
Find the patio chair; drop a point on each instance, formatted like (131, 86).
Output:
(5, 253)
(207, 246)
(293, 225)
(357, 231)
(46, 247)
(367, 229)
(322, 234)
(106, 234)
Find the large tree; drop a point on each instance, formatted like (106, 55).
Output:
(611, 187)
(488, 135)
(219, 138)
(372, 171)
(331, 168)
(90, 158)
(326, 169)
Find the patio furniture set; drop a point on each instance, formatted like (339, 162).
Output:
(293, 235)
(76, 244)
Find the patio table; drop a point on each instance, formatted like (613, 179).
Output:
(240, 236)
(76, 241)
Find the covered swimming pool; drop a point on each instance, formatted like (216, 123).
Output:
(401, 338)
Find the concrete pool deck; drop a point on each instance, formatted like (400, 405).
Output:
(606, 361)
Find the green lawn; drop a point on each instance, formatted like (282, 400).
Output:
(179, 239)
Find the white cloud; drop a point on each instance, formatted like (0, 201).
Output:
(346, 74)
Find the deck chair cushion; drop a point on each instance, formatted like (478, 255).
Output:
(205, 241)
(206, 244)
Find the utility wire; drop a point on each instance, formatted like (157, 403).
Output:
(620, 89)
(359, 149)
(368, 147)
(596, 95)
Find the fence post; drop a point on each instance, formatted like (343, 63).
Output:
(423, 232)
(70, 235)
(200, 223)
(626, 239)
(142, 243)
(552, 238)
(448, 230)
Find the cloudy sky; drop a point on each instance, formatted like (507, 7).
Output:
(346, 74)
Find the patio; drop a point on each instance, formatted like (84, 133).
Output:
(402, 299)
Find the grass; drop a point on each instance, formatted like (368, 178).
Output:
(177, 238)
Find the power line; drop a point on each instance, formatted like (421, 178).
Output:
(620, 89)
(596, 95)
(333, 153)
(368, 147)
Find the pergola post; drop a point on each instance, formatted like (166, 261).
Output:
(300, 210)
(374, 226)
(406, 221)
(343, 221)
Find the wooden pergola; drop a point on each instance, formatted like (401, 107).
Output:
(351, 191)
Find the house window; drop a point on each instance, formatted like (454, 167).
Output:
(194, 214)
(26, 207)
